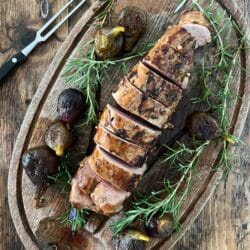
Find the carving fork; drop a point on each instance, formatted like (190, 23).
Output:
(18, 58)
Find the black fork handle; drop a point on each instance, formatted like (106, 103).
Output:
(9, 65)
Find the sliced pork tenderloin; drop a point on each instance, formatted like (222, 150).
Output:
(86, 177)
(128, 128)
(128, 152)
(197, 25)
(180, 40)
(80, 200)
(163, 59)
(138, 103)
(194, 16)
(108, 199)
(154, 85)
(201, 33)
(115, 172)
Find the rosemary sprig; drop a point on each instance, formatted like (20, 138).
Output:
(76, 218)
(102, 17)
(63, 176)
(154, 204)
(87, 73)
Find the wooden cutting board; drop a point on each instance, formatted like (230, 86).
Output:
(37, 227)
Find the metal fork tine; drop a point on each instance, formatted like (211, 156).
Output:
(47, 24)
(45, 37)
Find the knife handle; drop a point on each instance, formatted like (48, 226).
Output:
(14, 61)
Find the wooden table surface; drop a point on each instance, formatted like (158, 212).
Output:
(225, 221)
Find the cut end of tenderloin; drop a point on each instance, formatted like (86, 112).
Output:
(195, 17)
(126, 151)
(113, 171)
(86, 177)
(138, 103)
(128, 128)
(108, 199)
(201, 34)
(80, 200)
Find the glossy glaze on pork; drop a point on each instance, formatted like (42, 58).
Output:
(147, 98)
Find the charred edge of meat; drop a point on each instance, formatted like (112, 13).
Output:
(126, 127)
(164, 75)
(126, 151)
(114, 171)
(154, 85)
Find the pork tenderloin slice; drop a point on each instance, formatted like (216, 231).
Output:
(113, 171)
(180, 40)
(201, 34)
(80, 200)
(108, 199)
(194, 16)
(154, 85)
(128, 152)
(86, 177)
(128, 128)
(138, 103)
(169, 63)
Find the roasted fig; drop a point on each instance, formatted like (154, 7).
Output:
(109, 42)
(160, 226)
(202, 126)
(40, 163)
(134, 20)
(71, 105)
(58, 137)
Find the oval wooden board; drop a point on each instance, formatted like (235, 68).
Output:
(38, 226)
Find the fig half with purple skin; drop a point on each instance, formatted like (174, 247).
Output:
(71, 105)
(202, 126)
(39, 164)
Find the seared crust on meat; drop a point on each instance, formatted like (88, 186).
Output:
(124, 150)
(113, 171)
(194, 16)
(168, 62)
(180, 40)
(138, 103)
(128, 128)
(108, 199)
(154, 85)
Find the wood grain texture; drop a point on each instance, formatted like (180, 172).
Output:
(13, 107)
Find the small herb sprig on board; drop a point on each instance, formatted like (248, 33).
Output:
(221, 74)
(87, 73)
(227, 55)
(102, 18)
(75, 218)
(155, 203)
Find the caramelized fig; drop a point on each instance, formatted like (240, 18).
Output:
(134, 20)
(40, 163)
(160, 226)
(58, 137)
(202, 126)
(71, 105)
(109, 42)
